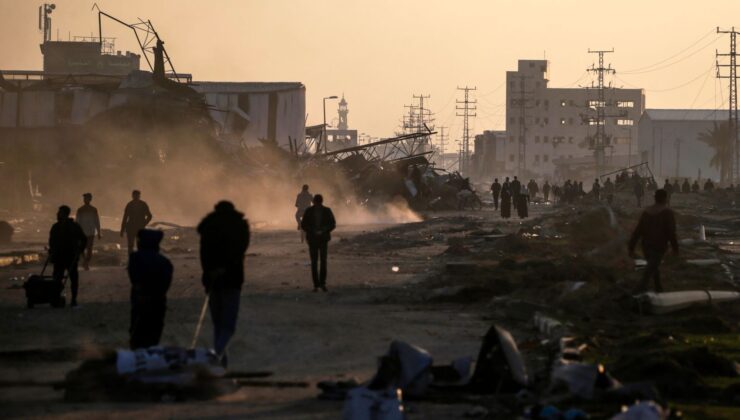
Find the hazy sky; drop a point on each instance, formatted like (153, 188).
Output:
(381, 52)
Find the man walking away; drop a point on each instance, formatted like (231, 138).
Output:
(89, 220)
(522, 209)
(66, 243)
(656, 229)
(302, 202)
(686, 187)
(496, 191)
(709, 185)
(596, 189)
(546, 191)
(668, 189)
(695, 186)
(135, 217)
(533, 189)
(318, 222)
(150, 274)
(224, 239)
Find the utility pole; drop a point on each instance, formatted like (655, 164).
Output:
(678, 157)
(468, 107)
(600, 141)
(732, 103)
(441, 146)
(523, 98)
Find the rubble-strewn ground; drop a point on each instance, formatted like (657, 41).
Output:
(457, 274)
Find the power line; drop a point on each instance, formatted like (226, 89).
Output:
(639, 69)
(674, 62)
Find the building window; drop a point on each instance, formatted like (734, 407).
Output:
(545, 158)
(537, 158)
(547, 120)
(536, 139)
(625, 104)
(545, 139)
(596, 104)
(625, 122)
(622, 140)
(521, 120)
(511, 85)
(595, 122)
(537, 102)
(572, 103)
(511, 158)
(511, 139)
(563, 102)
(537, 120)
(513, 102)
(562, 121)
(512, 120)
(547, 103)
(570, 140)
(531, 64)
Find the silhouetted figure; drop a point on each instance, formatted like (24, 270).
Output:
(66, 243)
(506, 184)
(638, 188)
(546, 191)
(496, 191)
(656, 229)
(686, 187)
(302, 202)
(135, 217)
(89, 220)
(609, 190)
(596, 189)
(224, 239)
(6, 232)
(516, 188)
(505, 202)
(695, 186)
(533, 189)
(668, 189)
(318, 223)
(150, 274)
(709, 185)
(676, 187)
(522, 207)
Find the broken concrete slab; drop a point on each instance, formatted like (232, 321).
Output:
(662, 303)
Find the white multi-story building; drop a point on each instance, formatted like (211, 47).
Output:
(552, 128)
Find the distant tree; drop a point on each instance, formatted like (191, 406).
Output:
(719, 138)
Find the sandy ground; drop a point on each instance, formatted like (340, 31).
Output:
(283, 326)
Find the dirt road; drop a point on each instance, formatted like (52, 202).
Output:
(283, 326)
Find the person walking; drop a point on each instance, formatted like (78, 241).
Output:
(135, 217)
(516, 188)
(596, 189)
(224, 240)
(150, 274)
(533, 189)
(522, 207)
(302, 202)
(89, 220)
(546, 191)
(638, 188)
(318, 223)
(496, 191)
(67, 241)
(505, 202)
(656, 229)
(685, 187)
(609, 190)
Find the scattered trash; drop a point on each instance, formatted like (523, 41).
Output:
(395, 269)
(582, 380)
(499, 367)
(550, 327)
(368, 404)
(643, 410)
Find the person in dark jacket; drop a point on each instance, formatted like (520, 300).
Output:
(609, 190)
(318, 223)
(638, 187)
(224, 239)
(135, 217)
(505, 202)
(67, 241)
(656, 229)
(596, 189)
(150, 274)
(685, 187)
(533, 190)
(546, 191)
(496, 191)
(709, 185)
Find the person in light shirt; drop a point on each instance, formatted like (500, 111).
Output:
(89, 220)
